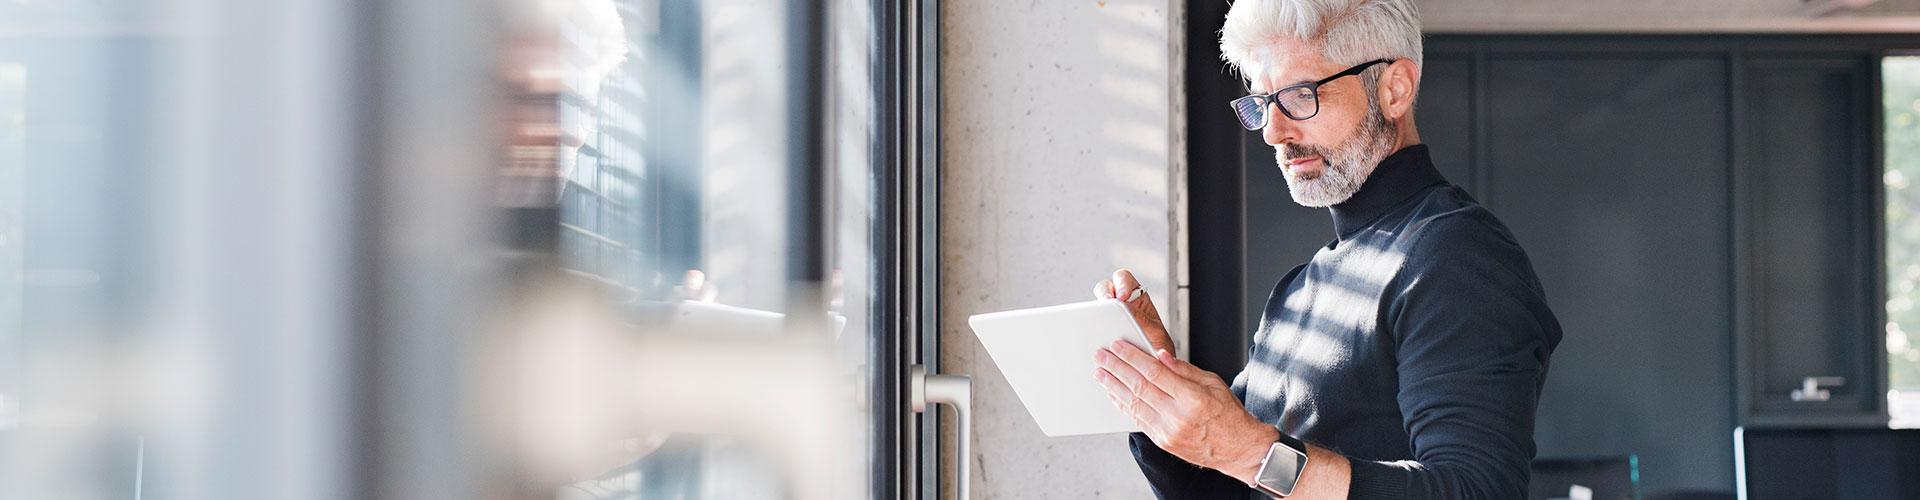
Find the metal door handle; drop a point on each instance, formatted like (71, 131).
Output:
(955, 391)
(1811, 388)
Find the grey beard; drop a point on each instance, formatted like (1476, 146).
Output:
(1347, 165)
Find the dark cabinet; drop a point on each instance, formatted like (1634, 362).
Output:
(1611, 171)
(1809, 310)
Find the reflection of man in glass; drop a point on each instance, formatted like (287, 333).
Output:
(1405, 360)
(559, 58)
(576, 188)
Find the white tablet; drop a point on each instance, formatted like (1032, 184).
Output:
(1046, 354)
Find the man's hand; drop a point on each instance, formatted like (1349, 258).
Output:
(1187, 411)
(1124, 287)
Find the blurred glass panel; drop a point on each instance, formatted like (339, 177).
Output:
(244, 253)
(76, 95)
(671, 174)
(1901, 83)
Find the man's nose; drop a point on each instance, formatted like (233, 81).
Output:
(1279, 129)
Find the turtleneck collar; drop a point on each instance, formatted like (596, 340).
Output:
(1399, 176)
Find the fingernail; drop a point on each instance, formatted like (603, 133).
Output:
(1136, 294)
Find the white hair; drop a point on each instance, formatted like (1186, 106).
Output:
(1347, 32)
(579, 42)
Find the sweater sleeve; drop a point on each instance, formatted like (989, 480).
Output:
(1474, 335)
(1174, 478)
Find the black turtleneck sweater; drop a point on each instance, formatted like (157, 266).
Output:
(1415, 344)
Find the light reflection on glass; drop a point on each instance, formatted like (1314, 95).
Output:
(189, 276)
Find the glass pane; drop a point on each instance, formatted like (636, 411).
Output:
(669, 186)
(215, 282)
(78, 87)
(1901, 80)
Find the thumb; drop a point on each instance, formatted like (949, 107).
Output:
(1134, 295)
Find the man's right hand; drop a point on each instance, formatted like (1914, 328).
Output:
(1123, 286)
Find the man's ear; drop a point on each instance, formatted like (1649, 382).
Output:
(1398, 85)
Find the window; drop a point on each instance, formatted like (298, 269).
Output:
(519, 249)
(673, 179)
(1901, 77)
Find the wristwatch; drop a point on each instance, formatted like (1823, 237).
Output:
(1280, 470)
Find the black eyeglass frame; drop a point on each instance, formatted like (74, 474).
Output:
(1270, 99)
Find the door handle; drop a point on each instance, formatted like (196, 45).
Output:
(955, 391)
(1811, 388)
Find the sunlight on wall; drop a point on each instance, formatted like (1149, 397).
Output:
(1058, 130)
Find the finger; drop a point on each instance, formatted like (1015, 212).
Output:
(1119, 393)
(1107, 361)
(1124, 279)
(1153, 433)
(1140, 303)
(1147, 394)
(1106, 382)
(1103, 289)
(1153, 371)
(1143, 413)
(1125, 283)
(1115, 399)
(1181, 368)
(1150, 421)
(1131, 378)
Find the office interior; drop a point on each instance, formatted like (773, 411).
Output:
(727, 249)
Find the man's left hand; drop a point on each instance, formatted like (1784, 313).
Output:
(1187, 411)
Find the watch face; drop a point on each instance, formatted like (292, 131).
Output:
(1282, 468)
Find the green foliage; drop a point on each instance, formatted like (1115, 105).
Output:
(1902, 180)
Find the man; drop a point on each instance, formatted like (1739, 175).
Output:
(1405, 360)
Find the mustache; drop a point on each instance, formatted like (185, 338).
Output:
(1297, 150)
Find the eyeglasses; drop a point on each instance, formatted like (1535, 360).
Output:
(1298, 102)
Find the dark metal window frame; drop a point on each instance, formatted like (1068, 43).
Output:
(905, 158)
(919, 139)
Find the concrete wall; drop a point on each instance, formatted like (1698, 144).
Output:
(1058, 158)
